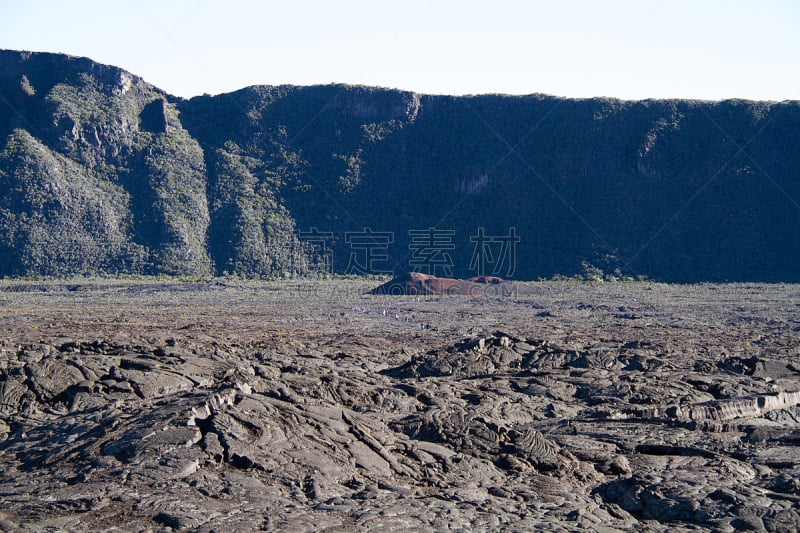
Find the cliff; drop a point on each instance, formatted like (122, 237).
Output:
(102, 172)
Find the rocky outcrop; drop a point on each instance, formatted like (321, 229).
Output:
(721, 410)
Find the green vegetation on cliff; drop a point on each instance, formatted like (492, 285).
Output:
(101, 172)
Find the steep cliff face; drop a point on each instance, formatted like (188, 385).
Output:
(676, 190)
(96, 173)
(100, 171)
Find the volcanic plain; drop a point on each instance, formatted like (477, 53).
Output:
(223, 405)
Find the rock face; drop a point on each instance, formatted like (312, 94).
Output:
(101, 172)
(305, 407)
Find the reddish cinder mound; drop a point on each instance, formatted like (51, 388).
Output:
(416, 283)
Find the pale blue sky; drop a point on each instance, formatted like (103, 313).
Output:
(706, 49)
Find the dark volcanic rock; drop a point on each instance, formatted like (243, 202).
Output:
(304, 407)
(471, 358)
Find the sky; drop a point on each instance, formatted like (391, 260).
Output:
(699, 49)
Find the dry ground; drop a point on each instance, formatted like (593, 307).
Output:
(222, 406)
